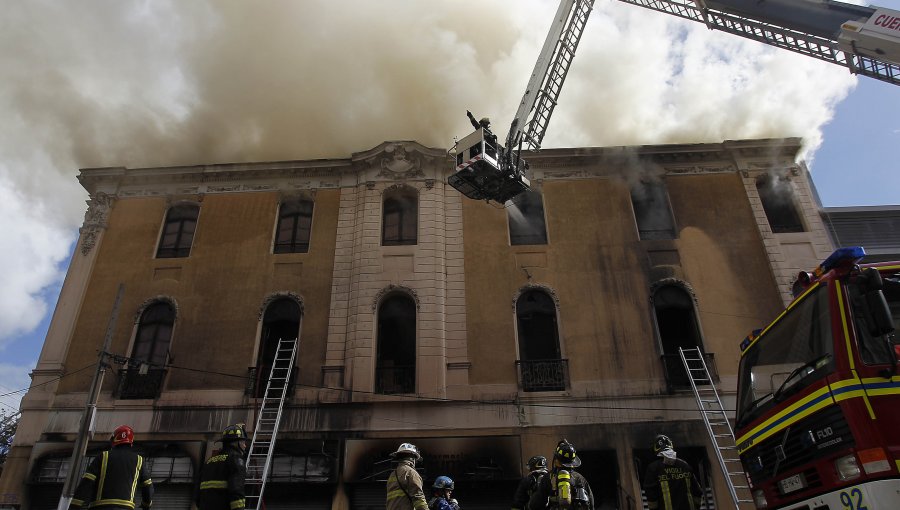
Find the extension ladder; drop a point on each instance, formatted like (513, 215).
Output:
(717, 425)
(262, 446)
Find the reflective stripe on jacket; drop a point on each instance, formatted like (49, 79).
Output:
(404, 488)
(222, 481)
(112, 479)
(672, 487)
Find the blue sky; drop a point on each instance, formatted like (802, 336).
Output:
(133, 83)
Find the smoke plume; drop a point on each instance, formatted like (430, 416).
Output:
(137, 83)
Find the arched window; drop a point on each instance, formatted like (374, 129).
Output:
(178, 231)
(154, 334)
(677, 327)
(777, 197)
(400, 218)
(294, 226)
(151, 349)
(395, 365)
(281, 321)
(540, 364)
(526, 219)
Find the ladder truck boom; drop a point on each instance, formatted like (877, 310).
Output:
(866, 40)
(485, 170)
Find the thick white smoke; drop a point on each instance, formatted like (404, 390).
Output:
(138, 83)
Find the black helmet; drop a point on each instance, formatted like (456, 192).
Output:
(234, 432)
(537, 462)
(566, 455)
(662, 443)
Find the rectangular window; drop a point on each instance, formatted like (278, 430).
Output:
(526, 219)
(652, 211)
(294, 227)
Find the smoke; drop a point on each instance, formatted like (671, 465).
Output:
(138, 83)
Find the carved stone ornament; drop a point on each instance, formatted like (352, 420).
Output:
(391, 289)
(399, 163)
(156, 299)
(95, 220)
(535, 286)
(276, 296)
(675, 282)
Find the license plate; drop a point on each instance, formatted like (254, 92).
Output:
(792, 484)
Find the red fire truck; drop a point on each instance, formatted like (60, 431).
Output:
(818, 404)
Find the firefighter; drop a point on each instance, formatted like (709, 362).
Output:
(441, 494)
(404, 486)
(113, 476)
(670, 483)
(562, 487)
(537, 468)
(222, 478)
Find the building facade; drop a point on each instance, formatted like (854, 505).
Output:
(483, 334)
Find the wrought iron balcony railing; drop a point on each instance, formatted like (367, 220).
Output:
(395, 379)
(543, 374)
(132, 384)
(258, 377)
(677, 378)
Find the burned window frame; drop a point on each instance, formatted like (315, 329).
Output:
(776, 194)
(531, 229)
(403, 204)
(650, 204)
(181, 222)
(297, 215)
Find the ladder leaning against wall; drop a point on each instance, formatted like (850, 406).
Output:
(717, 425)
(262, 446)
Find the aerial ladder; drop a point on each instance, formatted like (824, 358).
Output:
(866, 40)
(262, 447)
(486, 170)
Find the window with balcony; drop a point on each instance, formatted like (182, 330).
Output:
(677, 327)
(281, 320)
(178, 231)
(777, 197)
(400, 217)
(294, 226)
(395, 364)
(652, 211)
(541, 367)
(144, 377)
(526, 219)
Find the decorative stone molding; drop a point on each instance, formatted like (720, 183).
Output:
(535, 286)
(95, 220)
(401, 188)
(429, 184)
(156, 299)
(370, 185)
(279, 294)
(394, 289)
(400, 162)
(298, 194)
(676, 283)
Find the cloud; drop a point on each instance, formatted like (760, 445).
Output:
(12, 379)
(137, 83)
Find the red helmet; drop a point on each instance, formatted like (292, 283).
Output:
(122, 435)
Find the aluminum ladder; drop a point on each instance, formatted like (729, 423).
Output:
(717, 425)
(262, 446)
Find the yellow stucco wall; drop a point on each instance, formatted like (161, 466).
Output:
(219, 289)
(600, 272)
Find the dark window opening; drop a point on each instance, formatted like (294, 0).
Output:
(540, 365)
(395, 365)
(678, 328)
(151, 351)
(777, 197)
(526, 219)
(178, 231)
(652, 211)
(400, 221)
(294, 226)
(601, 469)
(281, 321)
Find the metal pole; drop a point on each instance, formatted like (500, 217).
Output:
(90, 409)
